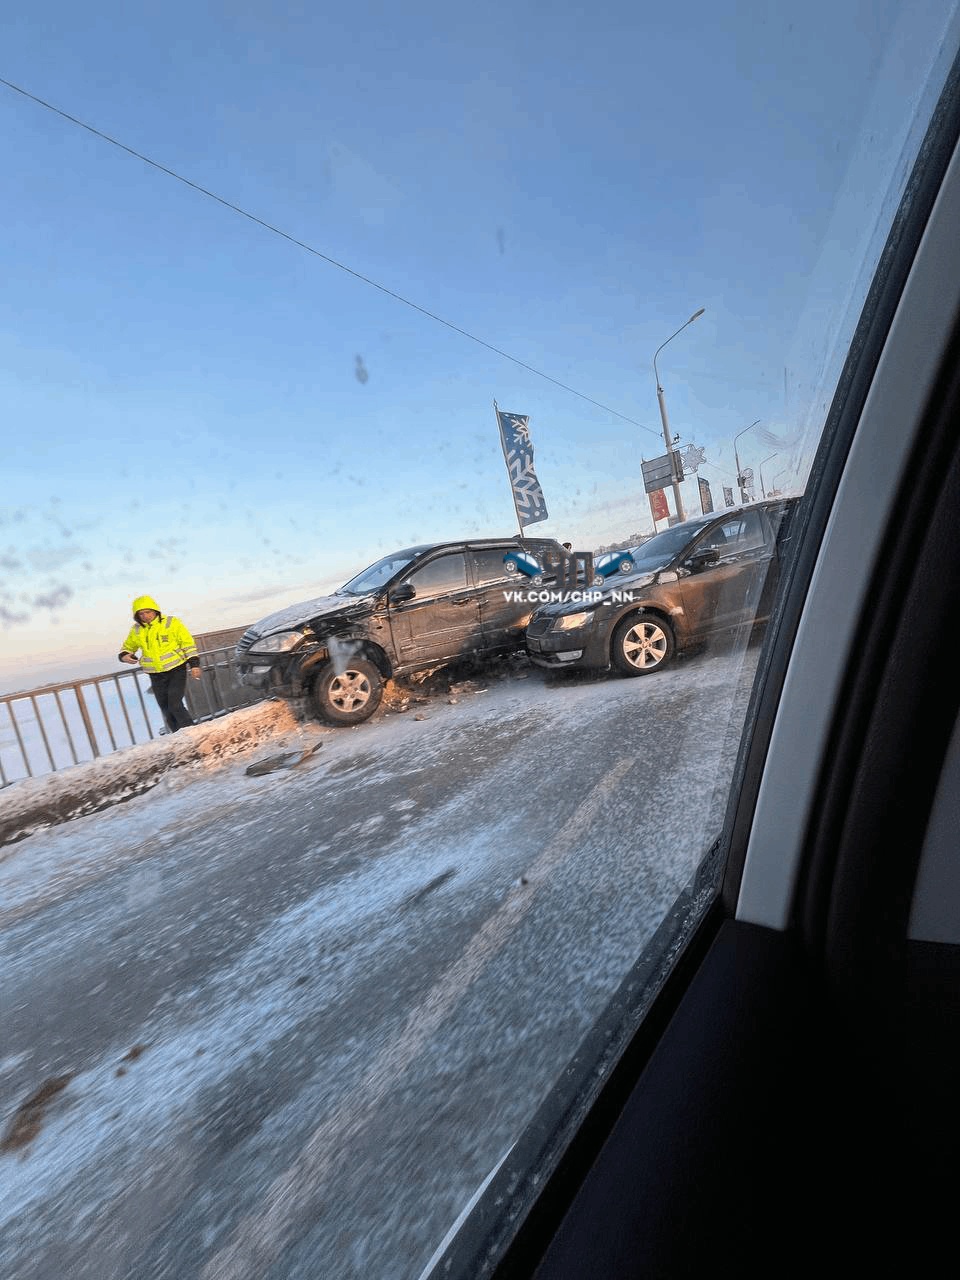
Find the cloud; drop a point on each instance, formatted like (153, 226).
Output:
(55, 598)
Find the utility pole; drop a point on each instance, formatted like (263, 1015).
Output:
(664, 420)
(744, 496)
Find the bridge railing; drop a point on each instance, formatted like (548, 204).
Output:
(58, 725)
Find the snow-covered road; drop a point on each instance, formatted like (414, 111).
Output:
(287, 1024)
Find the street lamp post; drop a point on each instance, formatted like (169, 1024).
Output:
(744, 496)
(667, 439)
(763, 492)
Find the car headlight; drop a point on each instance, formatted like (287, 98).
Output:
(570, 621)
(279, 643)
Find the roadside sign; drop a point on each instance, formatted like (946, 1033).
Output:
(659, 472)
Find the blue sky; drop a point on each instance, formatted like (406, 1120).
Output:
(181, 407)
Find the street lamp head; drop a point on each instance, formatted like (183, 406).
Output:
(696, 316)
(743, 433)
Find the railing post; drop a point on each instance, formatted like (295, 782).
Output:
(66, 726)
(87, 722)
(216, 687)
(3, 772)
(123, 708)
(23, 749)
(106, 714)
(43, 732)
(143, 705)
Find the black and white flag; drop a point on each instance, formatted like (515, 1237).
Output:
(518, 452)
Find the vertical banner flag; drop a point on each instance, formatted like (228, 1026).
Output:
(706, 498)
(528, 497)
(727, 496)
(658, 505)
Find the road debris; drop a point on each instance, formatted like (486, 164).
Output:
(27, 1120)
(285, 760)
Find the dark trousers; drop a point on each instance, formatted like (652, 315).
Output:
(168, 689)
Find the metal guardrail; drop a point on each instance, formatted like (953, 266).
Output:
(58, 725)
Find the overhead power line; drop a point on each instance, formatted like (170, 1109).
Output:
(726, 474)
(301, 244)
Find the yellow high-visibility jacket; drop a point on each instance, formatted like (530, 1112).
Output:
(163, 644)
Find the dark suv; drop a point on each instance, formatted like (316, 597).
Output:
(413, 610)
(697, 579)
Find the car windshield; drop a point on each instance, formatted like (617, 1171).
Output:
(306, 927)
(659, 550)
(378, 574)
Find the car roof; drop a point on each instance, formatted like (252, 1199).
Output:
(695, 523)
(474, 544)
(739, 508)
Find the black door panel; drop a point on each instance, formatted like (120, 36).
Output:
(443, 618)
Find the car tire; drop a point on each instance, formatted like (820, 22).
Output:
(510, 566)
(642, 643)
(348, 696)
(626, 566)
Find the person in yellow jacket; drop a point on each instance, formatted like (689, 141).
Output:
(167, 650)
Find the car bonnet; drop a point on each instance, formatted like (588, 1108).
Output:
(297, 615)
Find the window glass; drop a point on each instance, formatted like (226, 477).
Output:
(743, 533)
(314, 288)
(490, 566)
(663, 547)
(448, 573)
(377, 575)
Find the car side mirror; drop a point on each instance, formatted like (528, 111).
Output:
(703, 559)
(405, 591)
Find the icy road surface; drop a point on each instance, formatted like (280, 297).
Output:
(284, 1026)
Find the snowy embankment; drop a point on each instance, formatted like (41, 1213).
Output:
(37, 803)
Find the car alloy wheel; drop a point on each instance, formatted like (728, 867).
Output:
(641, 644)
(350, 692)
(349, 696)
